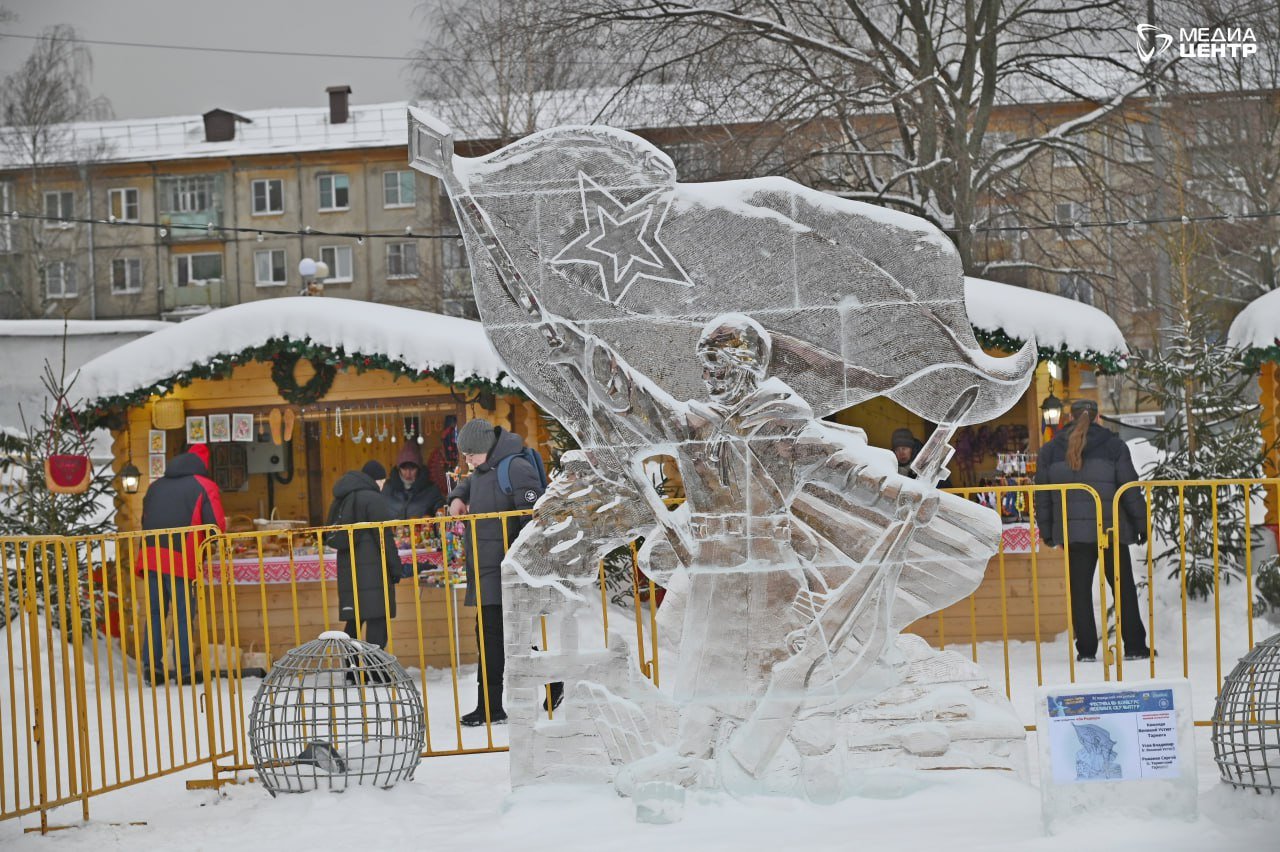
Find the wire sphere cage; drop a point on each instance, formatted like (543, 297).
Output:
(336, 713)
(1246, 720)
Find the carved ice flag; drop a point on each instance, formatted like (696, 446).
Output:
(592, 222)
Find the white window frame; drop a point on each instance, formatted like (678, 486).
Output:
(66, 204)
(268, 210)
(184, 193)
(397, 249)
(332, 179)
(66, 275)
(269, 255)
(330, 255)
(119, 197)
(188, 261)
(132, 267)
(1071, 285)
(399, 187)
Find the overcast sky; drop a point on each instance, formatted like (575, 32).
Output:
(151, 82)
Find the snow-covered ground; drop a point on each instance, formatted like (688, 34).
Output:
(465, 802)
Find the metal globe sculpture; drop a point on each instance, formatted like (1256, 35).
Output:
(1246, 720)
(335, 713)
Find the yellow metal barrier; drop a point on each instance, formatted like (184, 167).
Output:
(79, 717)
(279, 588)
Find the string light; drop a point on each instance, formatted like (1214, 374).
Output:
(163, 228)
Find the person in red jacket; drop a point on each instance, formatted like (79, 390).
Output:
(184, 497)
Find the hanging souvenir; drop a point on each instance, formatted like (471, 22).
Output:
(67, 473)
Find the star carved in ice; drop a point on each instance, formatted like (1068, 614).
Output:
(622, 240)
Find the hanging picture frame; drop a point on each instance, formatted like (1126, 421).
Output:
(242, 427)
(197, 430)
(156, 441)
(219, 428)
(156, 466)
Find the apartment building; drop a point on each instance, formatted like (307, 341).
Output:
(220, 209)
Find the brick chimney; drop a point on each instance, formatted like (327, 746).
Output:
(338, 96)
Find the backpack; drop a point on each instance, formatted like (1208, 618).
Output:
(342, 514)
(530, 455)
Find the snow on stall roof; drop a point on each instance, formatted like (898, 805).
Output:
(54, 328)
(1258, 325)
(422, 340)
(1053, 321)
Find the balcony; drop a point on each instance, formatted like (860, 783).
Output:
(186, 227)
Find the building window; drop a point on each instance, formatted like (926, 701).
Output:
(1065, 214)
(335, 192)
(1075, 286)
(338, 259)
(122, 204)
(402, 260)
(6, 224)
(198, 269)
(1133, 145)
(59, 205)
(188, 194)
(59, 280)
(397, 189)
(269, 268)
(268, 197)
(126, 275)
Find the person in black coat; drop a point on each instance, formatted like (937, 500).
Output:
(485, 446)
(371, 598)
(409, 490)
(1086, 453)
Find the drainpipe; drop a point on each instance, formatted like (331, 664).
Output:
(155, 234)
(93, 276)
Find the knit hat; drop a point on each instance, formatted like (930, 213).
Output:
(476, 437)
(1080, 405)
(374, 469)
(902, 438)
(409, 454)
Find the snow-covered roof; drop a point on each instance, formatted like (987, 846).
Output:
(1055, 323)
(54, 328)
(421, 340)
(288, 130)
(1258, 325)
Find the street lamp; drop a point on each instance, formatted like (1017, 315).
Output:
(313, 273)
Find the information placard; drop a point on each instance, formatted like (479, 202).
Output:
(1110, 736)
(1107, 747)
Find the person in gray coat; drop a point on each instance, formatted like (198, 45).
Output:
(371, 599)
(485, 446)
(1086, 453)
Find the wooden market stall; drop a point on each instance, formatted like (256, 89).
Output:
(1076, 342)
(290, 394)
(1256, 332)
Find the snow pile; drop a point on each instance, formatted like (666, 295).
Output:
(1053, 321)
(421, 340)
(1258, 325)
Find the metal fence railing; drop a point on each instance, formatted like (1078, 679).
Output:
(79, 716)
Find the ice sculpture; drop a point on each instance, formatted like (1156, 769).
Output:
(715, 325)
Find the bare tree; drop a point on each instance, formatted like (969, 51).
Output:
(496, 70)
(38, 102)
(905, 98)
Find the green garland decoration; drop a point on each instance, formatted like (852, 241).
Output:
(1256, 356)
(1105, 363)
(99, 412)
(283, 365)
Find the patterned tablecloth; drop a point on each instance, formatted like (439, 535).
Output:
(306, 567)
(1018, 538)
